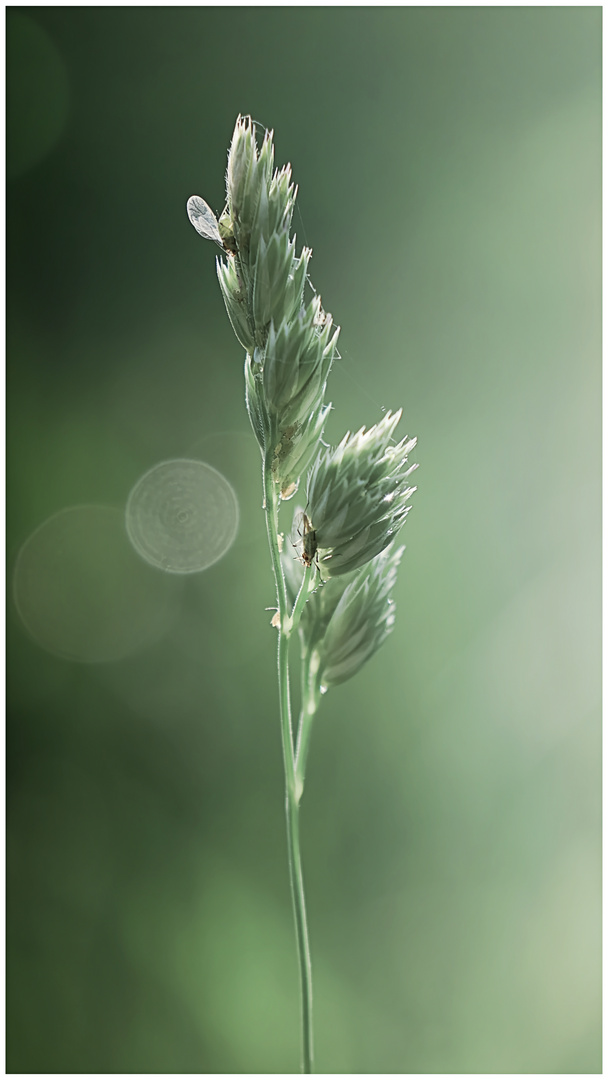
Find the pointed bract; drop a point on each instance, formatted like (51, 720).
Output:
(347, 618)
(358, 495)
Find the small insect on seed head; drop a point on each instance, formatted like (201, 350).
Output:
(309, 541)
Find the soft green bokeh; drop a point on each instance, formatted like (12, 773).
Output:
(449, 169)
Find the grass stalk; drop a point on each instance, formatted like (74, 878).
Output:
(286, 624)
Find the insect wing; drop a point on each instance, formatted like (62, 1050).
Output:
(203, 219)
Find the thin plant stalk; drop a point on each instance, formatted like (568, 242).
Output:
(308, 710)
(286, 624)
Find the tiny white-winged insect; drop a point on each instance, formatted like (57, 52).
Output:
(206, 224)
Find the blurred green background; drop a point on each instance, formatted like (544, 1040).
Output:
(448, 162)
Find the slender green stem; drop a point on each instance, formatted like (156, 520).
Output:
(310, 704)
(286, 623)
(302, 597)
(297, 892)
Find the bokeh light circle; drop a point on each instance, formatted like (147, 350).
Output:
(182, 516)
(81, 591)
(236, 455)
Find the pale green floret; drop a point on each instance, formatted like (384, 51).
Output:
(249, 169)
(358, 495)
(275, 208)
(298, 445)
(256, 403)
(272, 274)
(298, 359)
(362, 620)
(288, 444)
(235, 301)
(347, 619)
(365, 545)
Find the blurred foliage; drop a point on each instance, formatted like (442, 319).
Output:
(449, 169)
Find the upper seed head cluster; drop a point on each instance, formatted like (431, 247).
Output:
(358, 492)
(290, 346)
